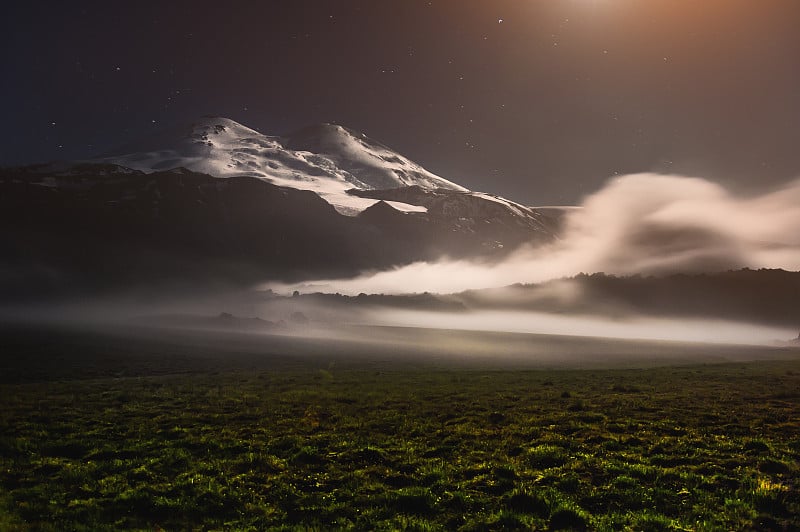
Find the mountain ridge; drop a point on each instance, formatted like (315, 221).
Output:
(327, 159)
(195, 211)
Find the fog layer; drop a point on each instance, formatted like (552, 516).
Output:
(636, 224)
(678, 330)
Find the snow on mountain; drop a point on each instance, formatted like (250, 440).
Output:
(374, 164)
(326, 159)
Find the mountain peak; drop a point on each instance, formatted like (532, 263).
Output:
(328, 159)
(323, 136)
(374, 164)
(218, 125)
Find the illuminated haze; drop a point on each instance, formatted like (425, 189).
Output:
(636, 224)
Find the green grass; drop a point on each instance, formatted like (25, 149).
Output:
(390, 446)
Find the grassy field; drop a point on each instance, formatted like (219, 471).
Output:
(132, 436)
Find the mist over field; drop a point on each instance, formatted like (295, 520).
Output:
(631, 327)
(642, 224)
(498, 325)
(637, 224)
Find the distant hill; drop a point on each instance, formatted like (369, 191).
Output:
(760, 296)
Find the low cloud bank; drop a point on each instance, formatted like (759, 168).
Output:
(637, 224)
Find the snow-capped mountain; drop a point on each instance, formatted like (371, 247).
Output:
(326, 159)
(218, 202)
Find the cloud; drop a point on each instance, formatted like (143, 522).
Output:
(636, 224)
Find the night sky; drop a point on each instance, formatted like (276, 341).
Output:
(537, 100)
